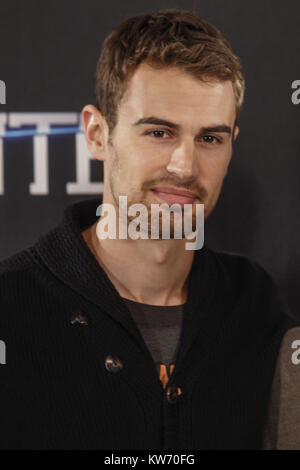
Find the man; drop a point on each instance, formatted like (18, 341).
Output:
(140, 343)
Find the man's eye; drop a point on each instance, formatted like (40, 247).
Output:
(159, 134)
(211, 139)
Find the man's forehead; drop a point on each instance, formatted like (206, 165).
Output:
(168, 91)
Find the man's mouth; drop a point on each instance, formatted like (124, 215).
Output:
(174, 195)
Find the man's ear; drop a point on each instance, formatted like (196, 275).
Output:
(236, 132)
(95, 131)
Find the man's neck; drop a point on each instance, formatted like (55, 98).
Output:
(148, 271)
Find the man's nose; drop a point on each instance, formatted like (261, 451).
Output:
(182, 161)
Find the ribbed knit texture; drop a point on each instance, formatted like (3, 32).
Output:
(55, 391)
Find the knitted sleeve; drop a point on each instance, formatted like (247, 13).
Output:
(282, 430)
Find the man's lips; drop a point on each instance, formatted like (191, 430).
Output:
(174, 195)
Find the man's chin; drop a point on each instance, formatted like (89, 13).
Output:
(162, 230)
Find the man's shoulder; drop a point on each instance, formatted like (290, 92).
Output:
(253, 288)
(19, 283)
(30, 298)
(17, 265)
(240, 268)
(21, 276)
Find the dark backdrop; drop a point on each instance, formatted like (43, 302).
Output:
(48, 54)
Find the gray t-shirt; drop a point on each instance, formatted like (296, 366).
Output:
(160, 327)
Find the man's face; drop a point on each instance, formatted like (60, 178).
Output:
(173, 131)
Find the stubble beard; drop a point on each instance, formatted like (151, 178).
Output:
(139, 196)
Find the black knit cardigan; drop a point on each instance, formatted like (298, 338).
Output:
(78, 374)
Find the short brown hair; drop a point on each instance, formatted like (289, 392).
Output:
(167, 38)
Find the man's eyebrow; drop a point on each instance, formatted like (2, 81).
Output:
(162, 122)
(157, 121)
(219, 128)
